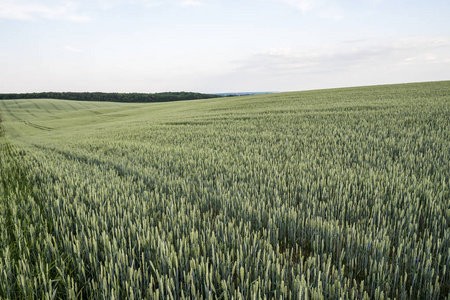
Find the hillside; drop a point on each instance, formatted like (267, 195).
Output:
(320, 194)
(112, 97)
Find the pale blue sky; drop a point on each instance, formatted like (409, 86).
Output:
(220, 46)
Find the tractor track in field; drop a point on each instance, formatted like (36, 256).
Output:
(37, 126)
(18, 104)
(26, 122)
(10, 112)
(46, 110)
(53, 104)
(71, 106)
(119, 170)
(35, 104)
(28, 111)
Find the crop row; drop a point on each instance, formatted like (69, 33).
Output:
(299, 204)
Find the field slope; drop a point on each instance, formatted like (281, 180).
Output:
(326, 194)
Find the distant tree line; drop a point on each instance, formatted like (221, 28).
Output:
(112, 97)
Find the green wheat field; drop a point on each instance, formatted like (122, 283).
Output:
(328, 194)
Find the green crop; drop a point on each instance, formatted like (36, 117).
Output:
(331, 194)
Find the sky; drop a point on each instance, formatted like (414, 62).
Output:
(214, 46)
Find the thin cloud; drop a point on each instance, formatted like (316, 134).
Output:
(304, 5)
(331, 13)
(29, 10)
(331, 58)
(73, 49)
(354, 41)
(185, 3)
(108, 4)
(324, 9)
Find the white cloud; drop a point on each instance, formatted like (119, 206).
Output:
(340, 57)
(423, 50)
(107, 4)
(431, 57)
(325, 9)
(73, 49)
(423, 42)
(189, 3)
(304, 5)
(354, 41)
(340, 64)
(278, 51)
(28, 10)
(331, 13)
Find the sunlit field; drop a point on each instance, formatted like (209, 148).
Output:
(329, 194)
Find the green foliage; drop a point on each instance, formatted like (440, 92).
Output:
(112, 97)
(313, 195)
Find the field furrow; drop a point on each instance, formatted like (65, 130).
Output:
(333, 194)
